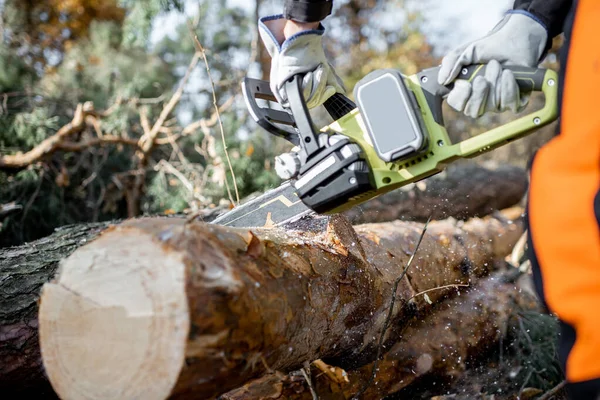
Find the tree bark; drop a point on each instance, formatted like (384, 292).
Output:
(458, 331)
(23, 271)
(462, 191)
(160, 307)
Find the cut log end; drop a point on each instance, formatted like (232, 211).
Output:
(129, 328)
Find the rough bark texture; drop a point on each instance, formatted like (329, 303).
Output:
(23, 271)
(252, 299)
(458, 331)
(461, 191)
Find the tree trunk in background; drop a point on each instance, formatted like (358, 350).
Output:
(261, 54)
(23, 271)
(458, 331)
(161, 307)
(462, 191)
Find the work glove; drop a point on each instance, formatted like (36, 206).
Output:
(518, 39)
(300, 53)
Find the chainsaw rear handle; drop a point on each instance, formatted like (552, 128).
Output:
(281, 123)
(276, 122)
(528, 79)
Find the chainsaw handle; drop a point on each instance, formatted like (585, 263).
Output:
(281, 123)
(276, 122)
(528, 79)
(428, 90)
(300, 114)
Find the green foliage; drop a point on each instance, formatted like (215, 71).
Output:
(97, 69)
(139, 18)
(252, 163)
(30, 128)
(165, 192)
(15, 75)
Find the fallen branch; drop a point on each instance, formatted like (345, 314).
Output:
(147, 141)
(188, 309)
(51, 144)
(94, 142)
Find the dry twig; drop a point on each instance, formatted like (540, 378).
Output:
(306, 374)
(106, 139)
(388, 318)
(201, 50)
(455, 286)
(553, 392)
(147, 141)
(518, 250)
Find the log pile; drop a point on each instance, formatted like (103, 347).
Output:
(161, 307)
(164, 307)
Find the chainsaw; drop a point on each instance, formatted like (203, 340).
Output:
(392, 136)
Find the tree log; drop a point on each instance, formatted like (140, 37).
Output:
(458, 331)
(160, 307)
(461, 191)
(23, 271)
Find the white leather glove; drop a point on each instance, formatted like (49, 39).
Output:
(300, 53)
(519, 40)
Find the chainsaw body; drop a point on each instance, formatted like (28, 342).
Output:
(394, 134)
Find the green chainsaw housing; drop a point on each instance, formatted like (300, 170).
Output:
(440, 150)
(337, 167)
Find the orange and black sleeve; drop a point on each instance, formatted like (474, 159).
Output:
(564, 206)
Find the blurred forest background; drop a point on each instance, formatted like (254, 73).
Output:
(100, 120)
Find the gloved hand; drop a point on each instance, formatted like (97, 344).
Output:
(518, 39)
(300, 53)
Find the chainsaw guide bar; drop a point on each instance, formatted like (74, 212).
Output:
(273, 208)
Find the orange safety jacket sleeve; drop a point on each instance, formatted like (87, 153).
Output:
(564, 207)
